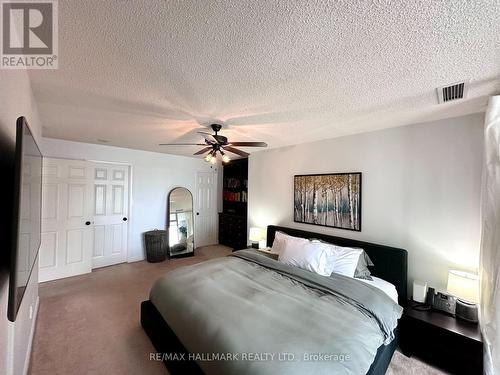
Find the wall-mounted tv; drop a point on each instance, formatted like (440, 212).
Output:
(26, 219)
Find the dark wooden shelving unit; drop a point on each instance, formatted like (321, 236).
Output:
(233, 218)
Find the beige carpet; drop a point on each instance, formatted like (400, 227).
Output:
(89, 324)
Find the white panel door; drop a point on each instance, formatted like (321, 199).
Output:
(206, 209)
(66, 234)
(110, 196)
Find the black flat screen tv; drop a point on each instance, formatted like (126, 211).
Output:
(27, 214)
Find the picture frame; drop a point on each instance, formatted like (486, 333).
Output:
(328, 200)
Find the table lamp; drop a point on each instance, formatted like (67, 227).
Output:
(464, 286)
(255, 236)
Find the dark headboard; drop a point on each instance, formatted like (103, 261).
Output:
(390, 263)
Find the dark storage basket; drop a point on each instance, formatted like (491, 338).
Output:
(156, 242)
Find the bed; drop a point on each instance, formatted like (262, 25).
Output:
(248, 303)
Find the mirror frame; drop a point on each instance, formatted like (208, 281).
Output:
(182, 255)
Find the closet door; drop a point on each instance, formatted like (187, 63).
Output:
(110, 197)
(66, 215)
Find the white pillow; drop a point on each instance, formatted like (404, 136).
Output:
(281, 239)
(345, 259)
(308, 255)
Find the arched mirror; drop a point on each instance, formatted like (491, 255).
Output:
(180, 223)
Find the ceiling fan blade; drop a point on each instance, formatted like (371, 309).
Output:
(249, 144)
(203, 150)
(208, 137)
(182, 144)
(236, 151)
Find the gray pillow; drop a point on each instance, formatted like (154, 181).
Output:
(362, 271)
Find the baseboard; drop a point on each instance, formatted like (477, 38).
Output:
(135, 259)
(32, 335)
(9, 366)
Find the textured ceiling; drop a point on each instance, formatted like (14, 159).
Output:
(284, 72)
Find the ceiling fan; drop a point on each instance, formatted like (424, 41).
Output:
(217, 143)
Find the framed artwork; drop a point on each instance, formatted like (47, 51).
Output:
(330, 200)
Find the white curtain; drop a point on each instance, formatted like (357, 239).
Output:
(490, 240)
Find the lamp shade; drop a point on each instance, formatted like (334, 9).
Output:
(463, 285)
(255, 234)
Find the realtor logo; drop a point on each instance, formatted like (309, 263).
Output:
(29, 34)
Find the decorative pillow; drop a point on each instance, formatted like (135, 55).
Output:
(308, 255)
(362, 271)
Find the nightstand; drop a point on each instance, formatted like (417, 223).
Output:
(451, 344)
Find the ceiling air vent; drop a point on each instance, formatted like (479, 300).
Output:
(451, 92)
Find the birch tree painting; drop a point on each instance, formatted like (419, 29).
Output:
(332, 200)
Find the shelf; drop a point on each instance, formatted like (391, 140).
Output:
(235, 188)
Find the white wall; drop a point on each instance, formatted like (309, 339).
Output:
(153, 176)
(16, 100)
(421, 190)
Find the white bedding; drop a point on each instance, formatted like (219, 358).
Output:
(384, 286)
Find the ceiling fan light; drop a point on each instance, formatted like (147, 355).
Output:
(215, 143)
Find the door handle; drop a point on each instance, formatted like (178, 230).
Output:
(197, 213)
(87, 223)
(124, 219)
